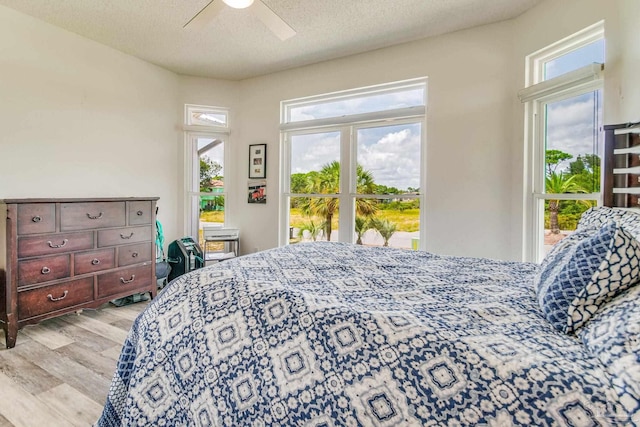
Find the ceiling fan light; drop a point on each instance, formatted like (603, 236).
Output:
(238, 4)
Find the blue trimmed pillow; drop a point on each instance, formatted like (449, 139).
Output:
(613, 336)
(601, 215)
(586, 270)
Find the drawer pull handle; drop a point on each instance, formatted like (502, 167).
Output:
(94, 216)
(123, 280)
(134, 255)
(122, 236)
(64, 295)
(139, 213)
(64, 242)
(95, 261)
(45, 270)
(36, 219)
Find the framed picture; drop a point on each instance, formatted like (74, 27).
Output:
(257, 191)
(258, 161)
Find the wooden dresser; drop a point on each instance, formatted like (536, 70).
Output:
(63, 255)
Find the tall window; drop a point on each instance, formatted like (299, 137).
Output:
(564, 121)
(352, 166)
(206, 132)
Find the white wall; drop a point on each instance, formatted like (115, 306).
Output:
(468, 138)
(216, 93)
(626, 90)
(78, 119)
(475, 122)
(555, 20)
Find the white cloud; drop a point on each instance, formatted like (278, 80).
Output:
(312, 152)
(394, 159)
(570, 127)
(391, 154)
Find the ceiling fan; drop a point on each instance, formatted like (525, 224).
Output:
(276, 24)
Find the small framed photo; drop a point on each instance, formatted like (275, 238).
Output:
(258, 161)
(257, 191)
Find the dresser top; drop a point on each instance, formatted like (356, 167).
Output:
(78, 200)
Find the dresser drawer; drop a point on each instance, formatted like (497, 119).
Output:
(36, 218)
(43, 269)
(140, 212)
(84, 216)
(134, 254)
(123, 236)
(89, 262)
(54, 244)
(35, 302)
(124, 280)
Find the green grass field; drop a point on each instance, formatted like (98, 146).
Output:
(212, 216)
(407, 220)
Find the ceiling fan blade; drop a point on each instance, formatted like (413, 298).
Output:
(206, 15)
(272, 21)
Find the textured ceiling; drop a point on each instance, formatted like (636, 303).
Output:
(236, 45)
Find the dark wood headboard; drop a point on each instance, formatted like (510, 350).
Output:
(621, 165)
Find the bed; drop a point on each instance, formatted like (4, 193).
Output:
(334, 334)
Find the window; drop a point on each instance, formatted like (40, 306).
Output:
(211, 117)
(352, 166)
(205, 169)
(564, 138)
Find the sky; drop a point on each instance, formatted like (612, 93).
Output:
(215, 154)
(570, 126)
(390, 153)
(571, 122)
(410, 97)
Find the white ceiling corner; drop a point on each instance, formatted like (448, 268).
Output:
(236, 45)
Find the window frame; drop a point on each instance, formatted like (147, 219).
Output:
(348, 126)
(536, 95)
(189, 125)
(192, 181)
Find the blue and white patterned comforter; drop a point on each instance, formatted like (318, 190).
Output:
(331, 334)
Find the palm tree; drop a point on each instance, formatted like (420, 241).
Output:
(385, 227)
(559, 183)
(362, 225)
(327, 181)
(312, 228)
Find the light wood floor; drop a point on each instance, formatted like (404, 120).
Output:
(59, 372)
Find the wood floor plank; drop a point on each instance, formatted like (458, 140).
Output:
(70, 371)
(98, 327)
(30, 376)
(22, 409)
(48, 338)
(113, 352)
(46, 383)
(93, 342)
(77, 409)
(105, 315)
(96, 362)
(124, 324)
(5, 422)
(130, 311)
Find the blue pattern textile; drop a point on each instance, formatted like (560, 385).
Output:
(601, 215)
(613, 335)
(585, 272)
(331, 334)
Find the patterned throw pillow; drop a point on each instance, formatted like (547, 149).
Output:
(613, 336)
(600, 215)
(562, 249)
(584, 273)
